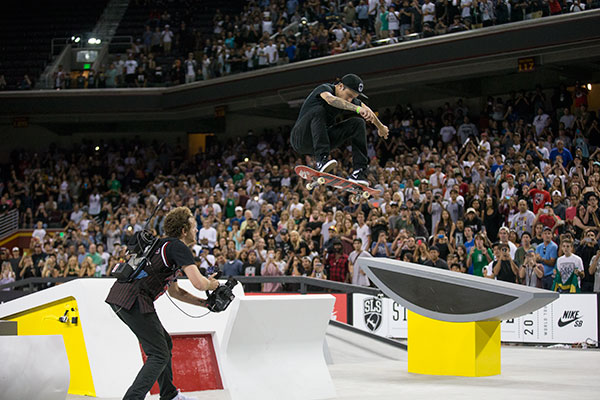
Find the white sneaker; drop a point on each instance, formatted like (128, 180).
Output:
(181, 396)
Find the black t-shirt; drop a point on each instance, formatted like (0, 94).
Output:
(251, 270)
(314, 102)
(275, 181)
(474, 223)
(14, 263)
(441, 264)
(406, 19)
(178, 254)
(506, 273)
(285, 246)
(587, 253)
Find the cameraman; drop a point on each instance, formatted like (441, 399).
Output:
(133, 302)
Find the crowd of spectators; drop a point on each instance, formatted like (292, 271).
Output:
(509, 191)
(172, 49)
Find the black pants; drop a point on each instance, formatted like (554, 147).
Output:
(311, 136)
(547, 282)
(157, 345)
(587, 287)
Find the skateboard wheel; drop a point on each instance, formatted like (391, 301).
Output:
(321, 181)
(309, 186)
(366, 195)
(355, 199)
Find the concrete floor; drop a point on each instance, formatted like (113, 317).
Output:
(364, 369)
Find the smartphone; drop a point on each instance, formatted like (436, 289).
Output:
(419, 242)
(440, 236)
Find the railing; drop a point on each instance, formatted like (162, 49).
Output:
(9, 223)
(304, 282)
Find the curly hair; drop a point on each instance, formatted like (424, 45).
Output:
(177, 220)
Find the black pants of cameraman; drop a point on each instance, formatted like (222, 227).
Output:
(157, 345)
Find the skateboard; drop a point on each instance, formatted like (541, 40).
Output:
(316, 178)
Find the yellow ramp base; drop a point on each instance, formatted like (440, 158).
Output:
(44, 320)
(453, 348)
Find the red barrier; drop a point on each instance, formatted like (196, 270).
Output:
(195, 366)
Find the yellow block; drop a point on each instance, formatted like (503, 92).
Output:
(44, 320)
(453, 348)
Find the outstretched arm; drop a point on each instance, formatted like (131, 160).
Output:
(340, 103)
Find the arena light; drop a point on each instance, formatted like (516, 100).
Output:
(75, 39)
(589, 86)
(94, 41)
(97, 148)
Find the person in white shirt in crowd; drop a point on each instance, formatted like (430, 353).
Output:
(130, 66)
(95, 204)
(263, 55)
(503, 239)
(393, 18)
(508, 188)
(567, 118)
(166, 38)
(249, 54)
(272, 53)
(359, 277)
(437, 179)
(76, 214)
(208, 233)
(568, 270)
(105, 258)
(447, 132)
(190, 66)
(338, 31)
(120, 67)
(267, 24)
(541, 121)
(363, 232)
(428, 10)
(465, 6)
(39, 232)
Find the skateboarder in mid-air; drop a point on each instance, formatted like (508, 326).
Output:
(315, 132)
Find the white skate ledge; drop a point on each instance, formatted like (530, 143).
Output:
(273, 349)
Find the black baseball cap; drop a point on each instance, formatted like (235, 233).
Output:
(353, 82)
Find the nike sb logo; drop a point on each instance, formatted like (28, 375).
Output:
(568, 318)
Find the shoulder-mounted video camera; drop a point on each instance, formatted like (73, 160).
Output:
(139, 250)
(220, 298)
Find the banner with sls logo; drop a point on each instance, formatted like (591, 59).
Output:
(572, 318)
(379, 315)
